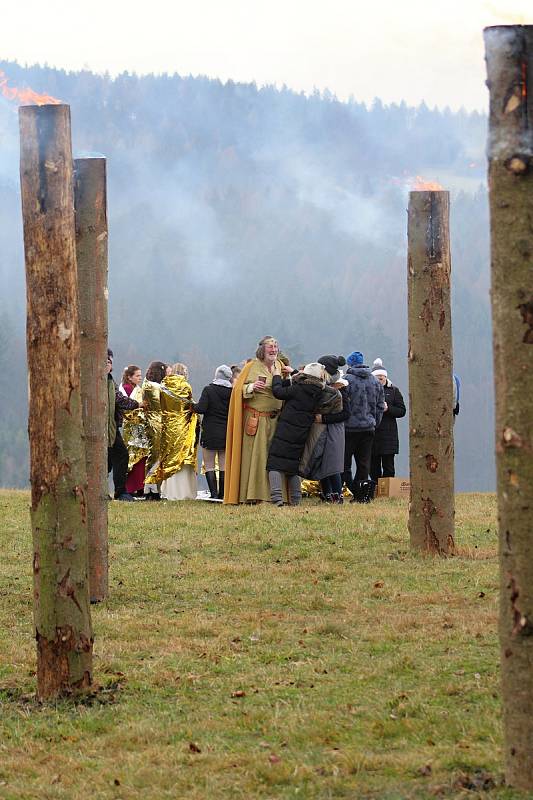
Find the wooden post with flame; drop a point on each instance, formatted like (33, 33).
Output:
(509, 56)
(57, 455)
(431, 508)
(91, 256)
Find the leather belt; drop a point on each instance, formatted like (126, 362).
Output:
(271, 414)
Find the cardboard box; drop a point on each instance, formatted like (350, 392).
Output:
(393, 487)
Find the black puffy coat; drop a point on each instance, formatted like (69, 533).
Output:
(386, 435)
(214, 405)
(302, 399)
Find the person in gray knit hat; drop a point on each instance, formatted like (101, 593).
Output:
(214, 405)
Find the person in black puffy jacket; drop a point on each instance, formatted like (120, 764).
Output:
(302, 393)
(214, 405)
(386, 442)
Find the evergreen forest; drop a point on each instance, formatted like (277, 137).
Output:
(236, 210)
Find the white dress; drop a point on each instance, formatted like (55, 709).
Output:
(181, 485)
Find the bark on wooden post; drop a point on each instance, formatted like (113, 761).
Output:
(91, 252)
(509, 56)
(431, 508)
(57, 453)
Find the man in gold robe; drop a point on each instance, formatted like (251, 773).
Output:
(252, 420)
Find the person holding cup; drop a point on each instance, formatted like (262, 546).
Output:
(253, 416)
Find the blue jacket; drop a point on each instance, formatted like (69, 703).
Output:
(366, 400)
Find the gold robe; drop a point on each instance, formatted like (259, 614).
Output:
(152, 415)
(134, 431)
(178, 428)
(311, 488)
(246, 455)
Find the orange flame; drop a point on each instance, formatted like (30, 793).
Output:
(419, 184)
(25, 96)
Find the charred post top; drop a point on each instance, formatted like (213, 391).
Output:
(509, 58)
(45, 147)
(41, 121)
(430, 210)
(45, 114)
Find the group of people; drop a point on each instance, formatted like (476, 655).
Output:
(263, 426)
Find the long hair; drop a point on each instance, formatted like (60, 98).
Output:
(260, 352)
(156, 371)
(180, 369)
(129, 372)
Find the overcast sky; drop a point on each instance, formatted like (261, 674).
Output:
(392, 49)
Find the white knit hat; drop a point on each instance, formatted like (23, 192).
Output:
(378, 368)
(315, 369)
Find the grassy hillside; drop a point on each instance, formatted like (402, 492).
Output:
(261, 653)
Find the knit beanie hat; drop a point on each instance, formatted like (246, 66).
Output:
(223, 373)
(332, 363)
(355, 359)
(378, 368)
(314, 369)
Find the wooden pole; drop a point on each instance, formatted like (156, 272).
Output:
(57, 455)
(509, 56)
(91, 254)
(431, 508)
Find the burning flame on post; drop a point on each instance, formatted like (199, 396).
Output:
(419, 184)
(25, 96)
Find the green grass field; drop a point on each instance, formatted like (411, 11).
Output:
(265, 653)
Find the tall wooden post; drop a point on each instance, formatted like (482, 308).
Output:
(431, 508)
(509, 56)
(57, 454)
(91, 252)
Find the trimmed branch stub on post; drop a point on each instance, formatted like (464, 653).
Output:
(57, 453)
(509, 57)
(431, 507)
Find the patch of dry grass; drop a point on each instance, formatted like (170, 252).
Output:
(261, 653)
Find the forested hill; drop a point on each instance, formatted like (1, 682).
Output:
(236, 211)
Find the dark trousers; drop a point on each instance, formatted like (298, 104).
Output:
(331, 485)
(382, 466)
(358, 445)
(117, 460)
